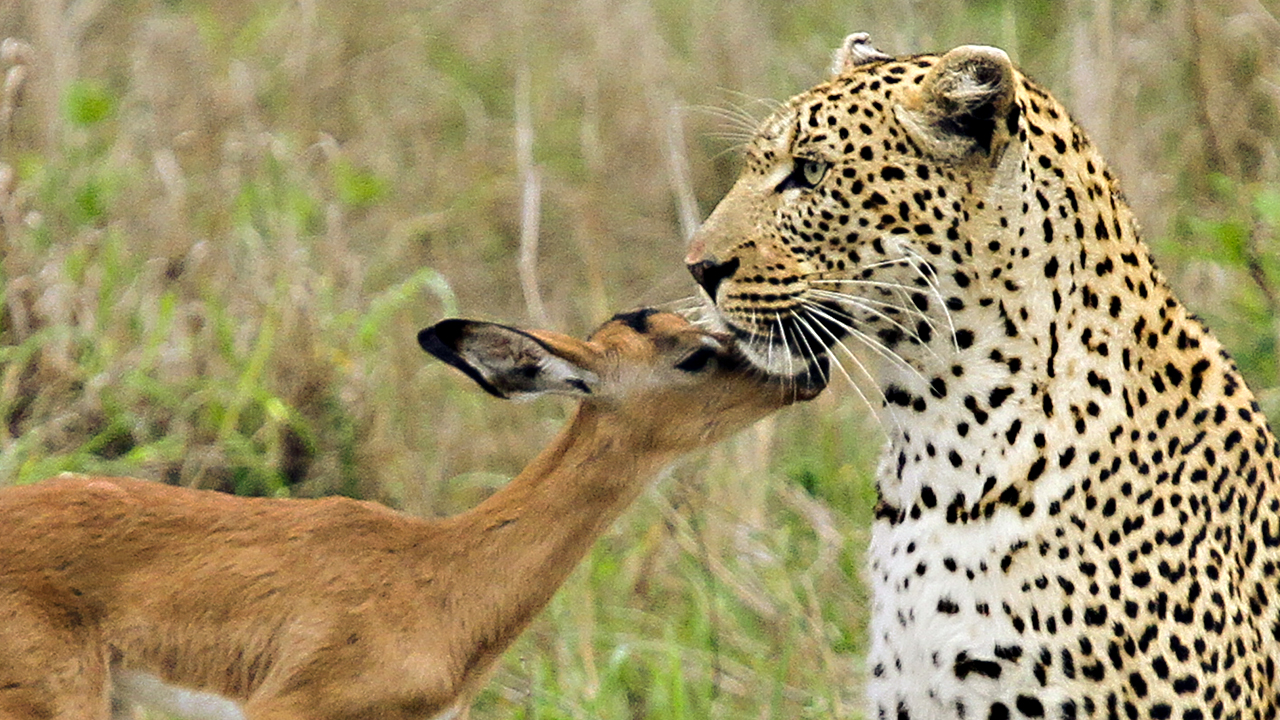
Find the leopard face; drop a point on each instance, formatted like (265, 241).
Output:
(1078, 505)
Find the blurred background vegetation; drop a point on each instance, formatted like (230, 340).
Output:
(222, 223)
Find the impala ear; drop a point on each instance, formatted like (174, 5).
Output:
(511, 363)
(965, 105)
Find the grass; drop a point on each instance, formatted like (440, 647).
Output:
(222, 224)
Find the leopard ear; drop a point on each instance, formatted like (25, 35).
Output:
(965, 106)
(854, 51)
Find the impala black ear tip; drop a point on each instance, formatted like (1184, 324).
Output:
(427, 337)
(441, 340)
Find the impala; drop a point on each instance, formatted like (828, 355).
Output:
(205, 605)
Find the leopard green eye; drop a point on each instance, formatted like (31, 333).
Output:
(813, 171)
(806, 173)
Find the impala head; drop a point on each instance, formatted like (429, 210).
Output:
(665, 380)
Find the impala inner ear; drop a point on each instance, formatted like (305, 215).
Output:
(506, 362)
(965, 105)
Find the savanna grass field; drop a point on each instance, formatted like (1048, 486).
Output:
(223, 222)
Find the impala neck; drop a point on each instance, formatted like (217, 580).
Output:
(514, 550)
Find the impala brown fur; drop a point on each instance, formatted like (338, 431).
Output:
(335, 608)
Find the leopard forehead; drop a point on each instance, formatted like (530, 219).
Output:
(829, 120)
(856, 119)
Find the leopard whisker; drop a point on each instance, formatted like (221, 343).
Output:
(911, 311)
(769, 343)
(804, 334)
(875, 345)
(688, 302)
(738, 118)
(857, 302)
(739, 138)
(692, 308)
(789, 375)
(786, 346)
(767, 104)
(901, 290)
(738, 148)
(837, 342)
(884, 263)
(931, 278)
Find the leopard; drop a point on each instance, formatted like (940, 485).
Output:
(1078, 509)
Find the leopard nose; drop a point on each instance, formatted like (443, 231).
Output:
(709, 274)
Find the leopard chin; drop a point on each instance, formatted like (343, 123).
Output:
(796, 354)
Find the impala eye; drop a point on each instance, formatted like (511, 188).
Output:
(805, 174)
(697, 361)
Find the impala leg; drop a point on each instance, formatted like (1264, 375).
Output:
(51, 664)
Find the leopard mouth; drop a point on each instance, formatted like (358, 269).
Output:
(815, 378)
(805, 377)
(792, 343)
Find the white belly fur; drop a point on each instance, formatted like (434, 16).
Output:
(151, 692)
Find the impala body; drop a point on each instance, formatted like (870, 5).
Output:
(206, 605)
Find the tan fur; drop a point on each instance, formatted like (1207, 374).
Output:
(336, 608)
